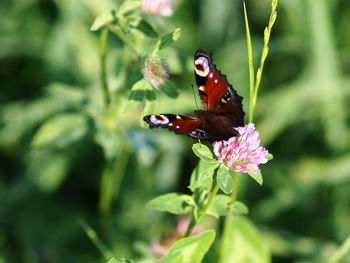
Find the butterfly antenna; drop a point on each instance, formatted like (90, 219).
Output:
(195, 97)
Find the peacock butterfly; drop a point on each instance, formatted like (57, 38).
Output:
(222, 106)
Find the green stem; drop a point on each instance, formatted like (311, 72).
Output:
(112, 178)
(228, 219)
(203, 211)
(103, 73)
(91, 233)
(256, 82)
(250, 63)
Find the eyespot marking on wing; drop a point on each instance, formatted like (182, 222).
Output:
(159, 119)
(201, 66)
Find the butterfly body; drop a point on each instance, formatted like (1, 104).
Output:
(222, 106)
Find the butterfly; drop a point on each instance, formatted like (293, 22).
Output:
(222, 105)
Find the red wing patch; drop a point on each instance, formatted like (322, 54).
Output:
(215, 91)
(181, 124)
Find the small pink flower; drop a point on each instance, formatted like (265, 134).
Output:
(161, 248)
(243, 153)
(155, 71)
(159, 7)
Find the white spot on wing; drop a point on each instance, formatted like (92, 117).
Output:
(216, 81)
(155, 119)
(177, 127)
(210, 75)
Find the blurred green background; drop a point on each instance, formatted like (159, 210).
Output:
(62, 161)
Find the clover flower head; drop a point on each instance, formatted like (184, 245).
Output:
(161, 248)
(155, 71)
(158, 7)
(242, 153)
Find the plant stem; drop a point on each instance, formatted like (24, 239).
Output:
(103, 73)
(250, 63)
(228, 219)
(193, 221)
(254, 83)
(91, 233)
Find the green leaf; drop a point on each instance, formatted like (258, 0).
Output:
(257, 177)
(269, 156)
(141, 91)
(221, 206)
(204, 177)
(174, 203)
(146, 28)
(244, 244)
(203, 152)
(225, 179)
(168, 39)
(104, 19)
(120, 260)
(60, 131)
(240, 208)
(128, 6)
(169, 88)
(189, 249)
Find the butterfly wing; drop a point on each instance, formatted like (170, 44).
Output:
(181, 124)
(215, 92)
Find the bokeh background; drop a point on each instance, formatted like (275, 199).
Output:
(62, 162)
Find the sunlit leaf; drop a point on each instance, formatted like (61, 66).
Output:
(225, 179)
(244, 244)
(168, 39)
(128, 6)
(174, 203)
(269, 156)
(257, 177)
(204, 177)
(203, 152)
(221, 206)
(190, 249)
(104, 19)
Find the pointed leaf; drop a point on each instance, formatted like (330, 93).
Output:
(104, 19)
(257, 177)
(168, 39)
(146, 28)
(128, 6)
(174, 203)
(269, 156)
(189, 249)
